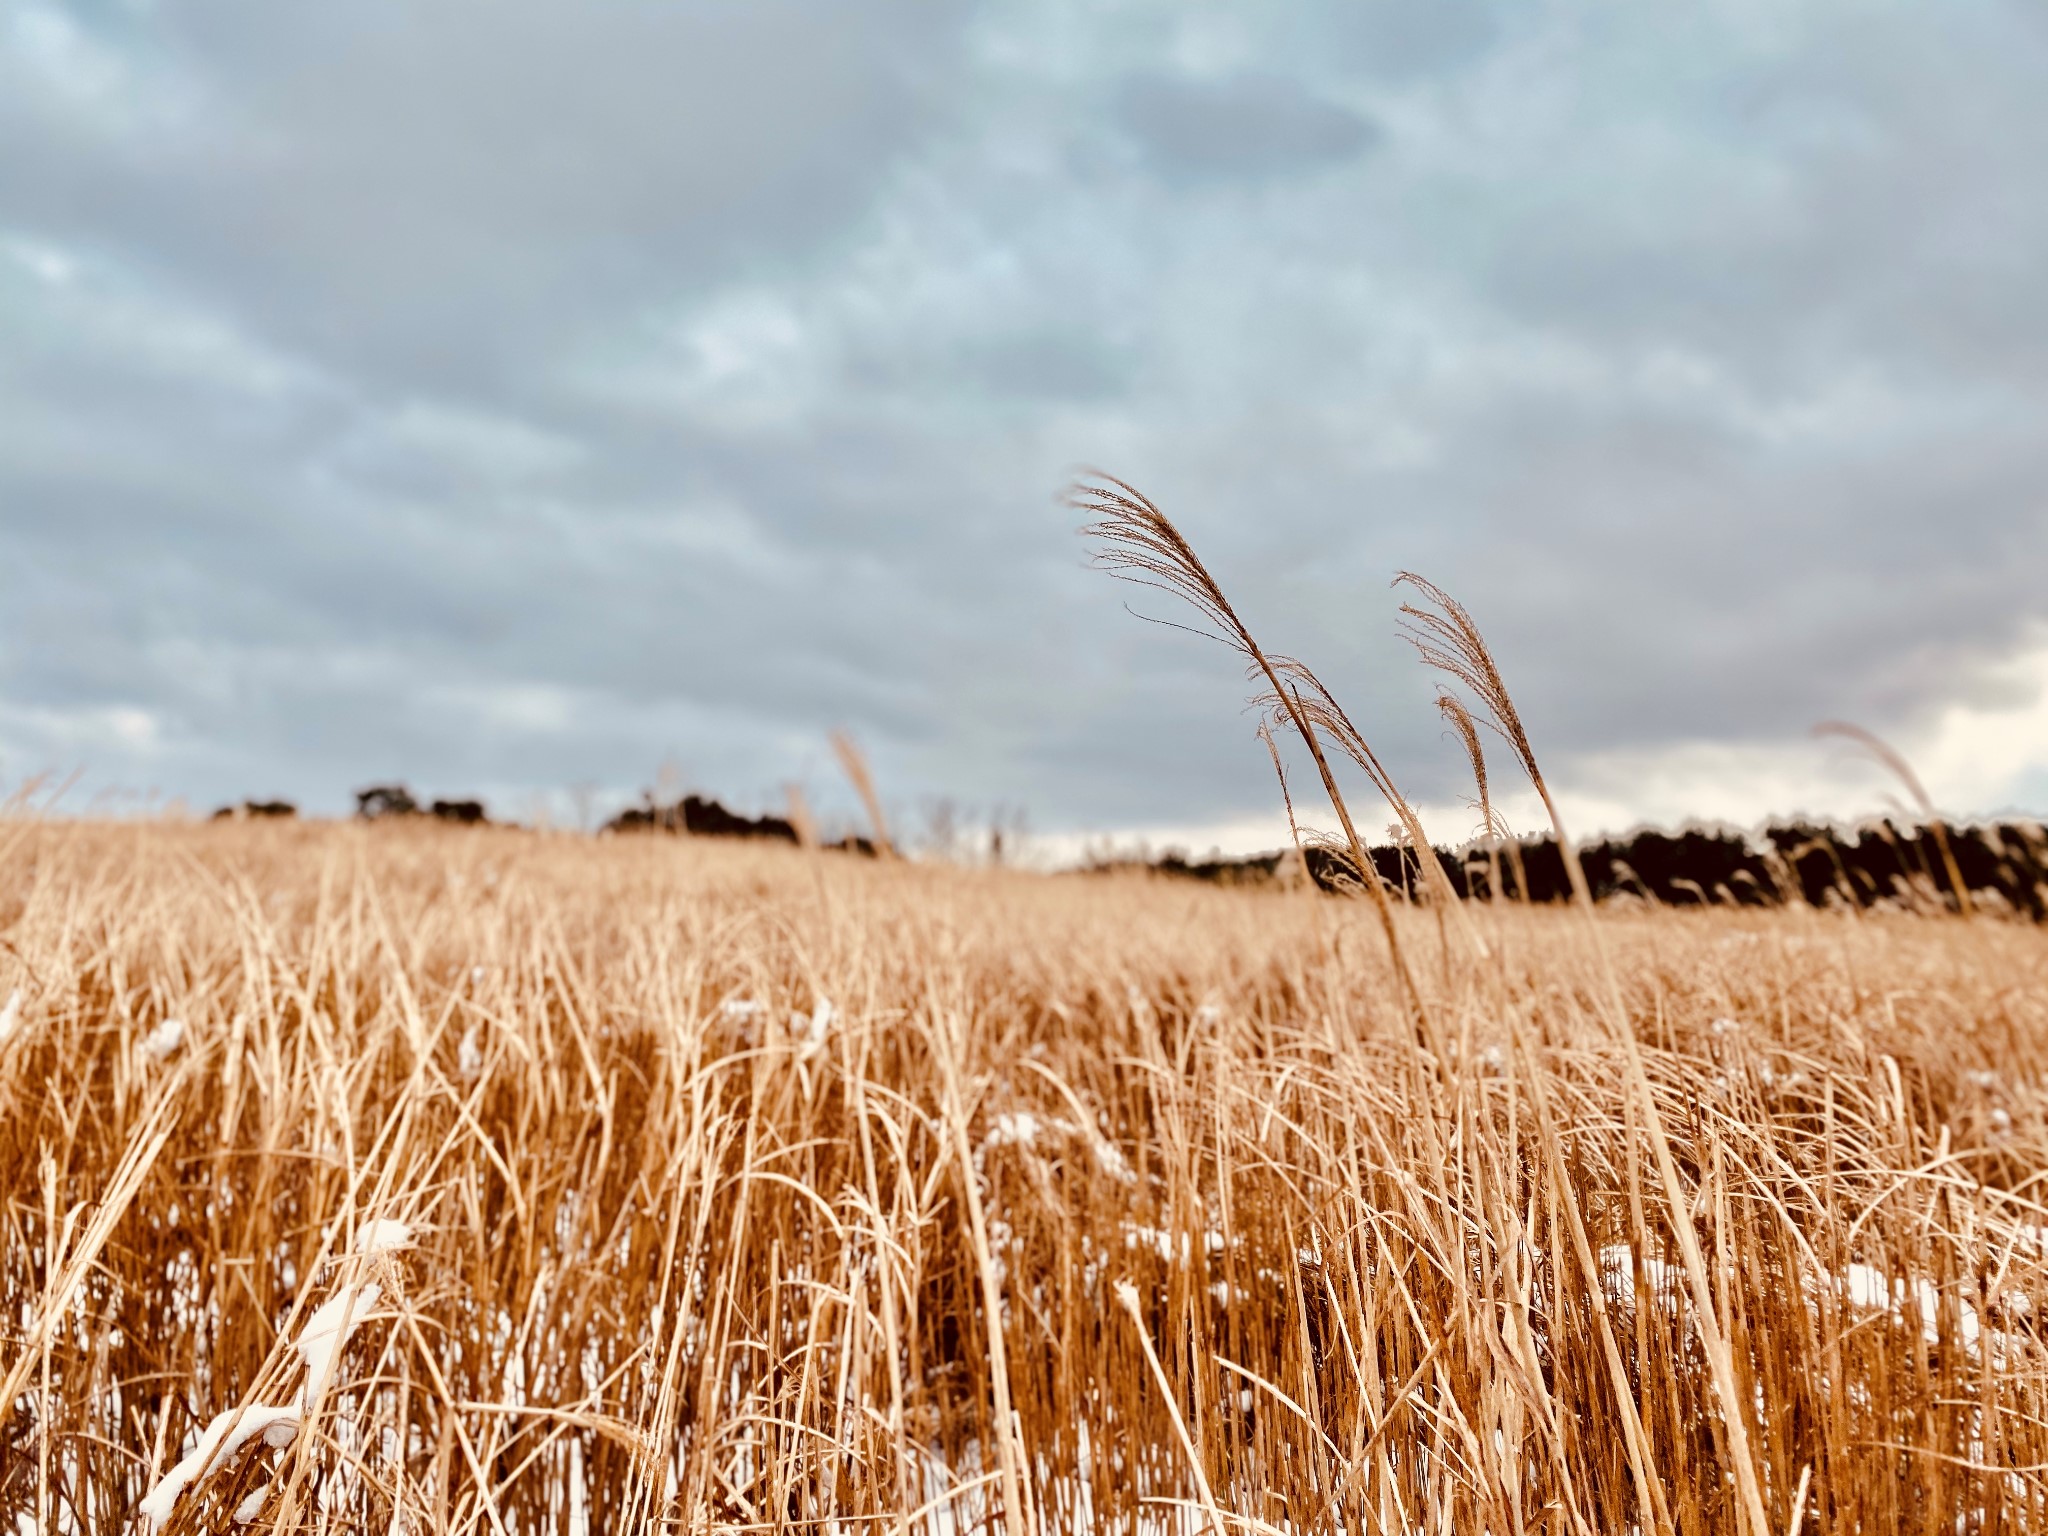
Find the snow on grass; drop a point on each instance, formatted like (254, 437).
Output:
(1019, 1128)
(384, 1236)
(10, 1015)
(1863, 1286)
(811, 1029)
(1026, 1128)
(252, 1506)
(1109, 1157)
(327, 1330)
(225, 1436)
(1874, 1290)
(1173, 1248)
(1618, 1270)
(320, 1342)
(163, 1041)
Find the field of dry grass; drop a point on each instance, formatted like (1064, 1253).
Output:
(509, 1182)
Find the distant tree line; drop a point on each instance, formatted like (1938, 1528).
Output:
(693, 814)
(701, 817)
(262, 809)
(377, 803)
(382, 801)
(2001, 865)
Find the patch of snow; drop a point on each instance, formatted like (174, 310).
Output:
(812, 1028)
(1618, 1274)
(1110, 1159)
(327, 1331)
(383, 1236)
(252, 1506)
(223, 1438)
(469, 1056)
(164, 1039)
(1019, 1128)
(1025, 1128)
(1874, 1290)
(1137, 1235)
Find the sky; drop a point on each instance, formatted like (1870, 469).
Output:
(515, 398)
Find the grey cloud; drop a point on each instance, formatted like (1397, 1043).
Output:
(436, 194)
(1244, 127)
(1389, 39)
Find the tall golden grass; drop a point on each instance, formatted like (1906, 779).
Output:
(410, 1178)
(733, 1172)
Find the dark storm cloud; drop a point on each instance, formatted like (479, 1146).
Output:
(510, 397)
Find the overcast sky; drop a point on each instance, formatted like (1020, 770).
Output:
(510, 396)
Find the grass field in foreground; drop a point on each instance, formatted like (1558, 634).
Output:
(507, 1182)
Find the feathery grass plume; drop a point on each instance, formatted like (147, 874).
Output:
(1453, 709)
(1448, 639)
(1902, 770)
(1140, 544)
(855, 764)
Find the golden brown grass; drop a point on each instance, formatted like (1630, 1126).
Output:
(687, 1264)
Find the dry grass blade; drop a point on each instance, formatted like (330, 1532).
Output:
(1896, 763)
(854, 763)
(1459, 718)
(1127, 1298)
(1453, 709)
(1446, 637)
(72, 1260)
(1287, 800)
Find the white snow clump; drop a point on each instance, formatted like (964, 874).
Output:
(164, 1039)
